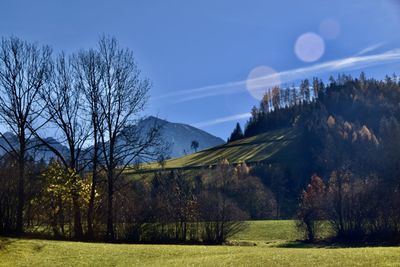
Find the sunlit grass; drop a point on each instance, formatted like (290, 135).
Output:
(267, 250)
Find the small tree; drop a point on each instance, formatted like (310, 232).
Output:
(311, 210)
(194, 145)
(62, 185)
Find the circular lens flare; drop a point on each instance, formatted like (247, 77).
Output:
(309, 47)
(260, 79)
(329, 28)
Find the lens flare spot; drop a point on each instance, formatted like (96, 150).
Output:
(329, 28)
(309, 47)
(260, 79)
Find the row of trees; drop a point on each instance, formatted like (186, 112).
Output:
(90, 101)
(207, 206)
(359, 210)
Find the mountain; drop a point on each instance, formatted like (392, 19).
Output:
(36, 149)
(179, 136)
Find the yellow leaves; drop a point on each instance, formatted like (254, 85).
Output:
(64, 183)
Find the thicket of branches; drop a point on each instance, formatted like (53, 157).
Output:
(90, 103)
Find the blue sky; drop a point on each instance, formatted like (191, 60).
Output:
(201, 55)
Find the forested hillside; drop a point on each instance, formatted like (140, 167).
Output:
(350, 136)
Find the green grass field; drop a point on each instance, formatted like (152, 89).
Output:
(271, 146)
(269, 246)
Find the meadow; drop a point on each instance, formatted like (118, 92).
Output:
(273, 146)
(263, 243)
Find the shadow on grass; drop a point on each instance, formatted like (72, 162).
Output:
(305, 244)
(5, 242)
(333, 243)
(38, 247)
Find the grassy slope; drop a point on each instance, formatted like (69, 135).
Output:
(271, 146)
(22, 252)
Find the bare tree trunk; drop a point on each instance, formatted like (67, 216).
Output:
(110, 220)
(90, 215)
(21, 191)
(78, 232)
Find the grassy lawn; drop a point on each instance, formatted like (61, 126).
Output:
(268, 251)
(267, 232)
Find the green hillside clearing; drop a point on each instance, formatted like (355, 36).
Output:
(270, 146)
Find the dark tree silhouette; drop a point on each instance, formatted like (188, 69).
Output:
(123, 97)
(195, 145)
(236, 134)
(89, 73)
(63, 108)
(24, 71)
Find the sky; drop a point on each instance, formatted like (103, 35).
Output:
(210, 61)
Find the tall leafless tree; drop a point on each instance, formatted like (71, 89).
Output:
(24, 71)
(123, 97)
(89, 73)
(63, 109)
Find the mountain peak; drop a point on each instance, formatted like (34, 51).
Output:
(180, 136)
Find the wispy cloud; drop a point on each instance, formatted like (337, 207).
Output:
(370, 49)
(350, 63)
(222, 120)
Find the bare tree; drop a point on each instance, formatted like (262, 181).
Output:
(220, 214)
(89, 73)
(63, 109)
(24, 70)
(123, 97)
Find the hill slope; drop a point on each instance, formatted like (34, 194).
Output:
(270, 146)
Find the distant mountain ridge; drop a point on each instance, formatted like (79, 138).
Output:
(35, 147)
(179, 136)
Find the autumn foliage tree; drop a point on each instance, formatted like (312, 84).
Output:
(312, 208)
(63, 188)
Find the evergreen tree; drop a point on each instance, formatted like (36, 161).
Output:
(236, 134)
